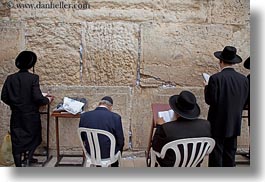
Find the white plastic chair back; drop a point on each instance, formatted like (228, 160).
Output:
(205, 145)
(94, 159)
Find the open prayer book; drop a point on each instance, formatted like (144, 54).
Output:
(167, 115)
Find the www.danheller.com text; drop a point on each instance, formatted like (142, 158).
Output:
(52, 5)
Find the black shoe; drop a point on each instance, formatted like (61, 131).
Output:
(33, 160)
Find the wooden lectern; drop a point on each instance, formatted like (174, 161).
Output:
(156, 107)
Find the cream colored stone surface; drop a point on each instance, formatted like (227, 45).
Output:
(184, 52)
(230, 12)
(11, 36)
(110, 53)
(57, 47)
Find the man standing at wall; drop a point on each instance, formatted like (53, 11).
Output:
(226, 94)
(21, 91)
(102, 118)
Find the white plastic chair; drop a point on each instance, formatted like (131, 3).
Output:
(205, 145)
(94, 159)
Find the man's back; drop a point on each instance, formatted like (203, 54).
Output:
(102, 118)
(180, 129)
(226, 94)
(22, 93)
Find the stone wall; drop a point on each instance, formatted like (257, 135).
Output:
(138, 51)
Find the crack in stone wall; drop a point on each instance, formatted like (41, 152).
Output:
(154, 81)
(138, 78)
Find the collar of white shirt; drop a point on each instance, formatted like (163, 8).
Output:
(226, 67)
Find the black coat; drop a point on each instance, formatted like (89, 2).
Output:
(248, 101)
(174, 130)
(226, 93)
(21, 91)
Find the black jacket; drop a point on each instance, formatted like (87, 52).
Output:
(21, 91)
(226, 93)
(179, 129)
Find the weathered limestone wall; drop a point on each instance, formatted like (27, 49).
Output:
(138, 51)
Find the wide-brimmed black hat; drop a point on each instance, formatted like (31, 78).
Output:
(26, 60)
(247, 63)
(228, 55)
(185, 105)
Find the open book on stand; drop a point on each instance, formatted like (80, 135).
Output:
(167, 115)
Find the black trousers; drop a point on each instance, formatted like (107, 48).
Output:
(224, 152)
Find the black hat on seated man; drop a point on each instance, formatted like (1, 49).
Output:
(108, 99)
(247, 63)
(185, 105)
(26, 60)
(228, 55)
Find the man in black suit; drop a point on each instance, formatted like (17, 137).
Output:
(102, 118)
(226, 94)
(21, 91)
(187, 125)
(247, 66)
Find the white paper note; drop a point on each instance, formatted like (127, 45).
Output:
(72, 106)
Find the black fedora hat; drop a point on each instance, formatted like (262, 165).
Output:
(247, 63)
(185, 105)
(26, 60)
(228, 55)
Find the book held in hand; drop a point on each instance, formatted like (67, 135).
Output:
(167, 115)
(206, 77)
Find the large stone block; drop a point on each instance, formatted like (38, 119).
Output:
(146, 10)
(183, 52)
(230, 12)
(141, 117)
(110, 53)
(57, 47)
(178, 11)
(12, 41)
